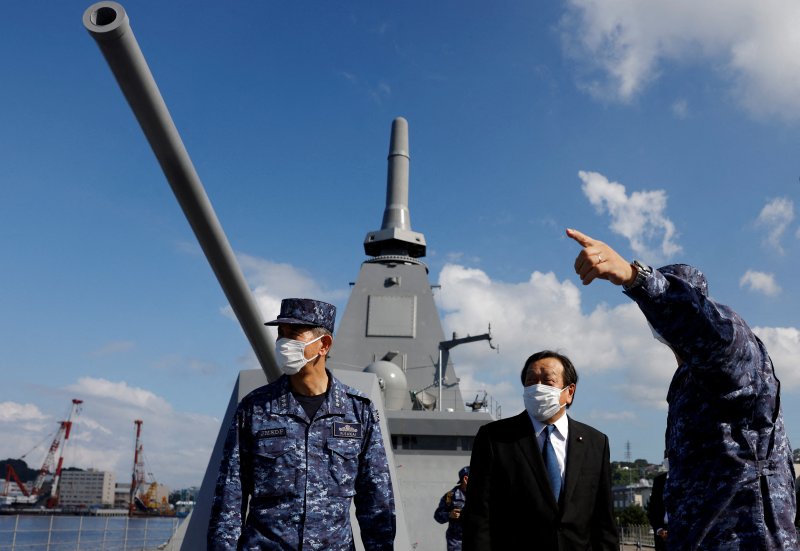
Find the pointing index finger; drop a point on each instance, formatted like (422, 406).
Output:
(582, 239)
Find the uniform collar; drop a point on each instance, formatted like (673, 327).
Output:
(333, 404)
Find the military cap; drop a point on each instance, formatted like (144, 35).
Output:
(306, 311)
(463, 472)
(689, 274)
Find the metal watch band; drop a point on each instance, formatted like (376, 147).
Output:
(642, 271)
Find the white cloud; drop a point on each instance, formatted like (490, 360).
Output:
(760, 282)
(12, 412)
(541, 313)
(177, 444)
(119, 392)
(776, 216)
(639, 217)
(783, 344)
(272, 282)
(630, 42)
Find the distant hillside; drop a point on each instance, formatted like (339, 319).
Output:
(25, 473)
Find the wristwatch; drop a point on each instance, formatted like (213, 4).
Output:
(642, 272)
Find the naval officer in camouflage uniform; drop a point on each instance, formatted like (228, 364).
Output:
(299, 450)
(449, 510)
(731, 479)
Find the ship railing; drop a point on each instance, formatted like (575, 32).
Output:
(638, 536)
(86, 533)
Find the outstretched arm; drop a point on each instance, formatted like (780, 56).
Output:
(713, 336)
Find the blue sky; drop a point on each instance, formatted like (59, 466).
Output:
(668, 130)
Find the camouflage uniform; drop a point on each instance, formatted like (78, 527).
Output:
(454, 499)
(731, 479)
(301, 474)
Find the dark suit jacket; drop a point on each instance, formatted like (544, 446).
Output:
(655, 509)
(509, 501)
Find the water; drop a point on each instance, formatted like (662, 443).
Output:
(84, 533)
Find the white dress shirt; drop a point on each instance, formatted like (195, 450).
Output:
(558, 439)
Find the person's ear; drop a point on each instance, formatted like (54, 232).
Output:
(570, 393)
(326, 342)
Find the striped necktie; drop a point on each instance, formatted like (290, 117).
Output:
(551, 462)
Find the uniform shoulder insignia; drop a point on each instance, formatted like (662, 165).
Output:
(350, 391)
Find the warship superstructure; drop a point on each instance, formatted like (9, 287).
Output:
(389, 343)
(391, 327)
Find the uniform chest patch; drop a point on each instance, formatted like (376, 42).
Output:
(271, 433)
(346, 430)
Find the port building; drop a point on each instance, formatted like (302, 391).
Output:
(85, 489)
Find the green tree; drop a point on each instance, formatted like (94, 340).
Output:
(633, 515)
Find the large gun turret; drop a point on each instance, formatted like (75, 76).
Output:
(108, 24)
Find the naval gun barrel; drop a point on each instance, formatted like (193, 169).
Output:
(108, 24)
(395, 236)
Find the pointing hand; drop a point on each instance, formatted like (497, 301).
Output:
(599, 261)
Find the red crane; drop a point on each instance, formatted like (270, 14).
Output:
(11, 474)
(58, 445)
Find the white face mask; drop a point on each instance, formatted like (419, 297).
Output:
(291, 354)
(542, 401)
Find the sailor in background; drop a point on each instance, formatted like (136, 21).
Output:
(449, 510)
(731, 479)
(300, 450)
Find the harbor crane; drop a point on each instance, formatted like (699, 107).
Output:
(56, 448)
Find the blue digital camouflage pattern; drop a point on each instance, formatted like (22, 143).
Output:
(306, 311)
(731, 479)
(454, 499)
(300, 474)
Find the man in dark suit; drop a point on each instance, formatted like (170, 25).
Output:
(656, 513)
(540, 480)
